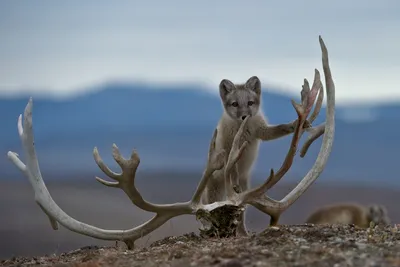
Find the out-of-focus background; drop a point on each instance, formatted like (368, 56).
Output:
(145, 75)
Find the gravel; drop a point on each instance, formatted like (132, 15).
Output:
(294, 245)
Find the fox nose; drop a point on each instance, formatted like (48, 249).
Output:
(243, 117)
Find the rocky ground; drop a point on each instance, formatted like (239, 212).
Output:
(298, 245)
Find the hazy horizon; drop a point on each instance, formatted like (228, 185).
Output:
(68, 48)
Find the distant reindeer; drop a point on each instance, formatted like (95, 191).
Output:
(350, 213)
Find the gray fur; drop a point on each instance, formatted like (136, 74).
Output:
(378, 214)
(239, 101)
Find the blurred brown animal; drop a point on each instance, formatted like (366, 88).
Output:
(350, 213)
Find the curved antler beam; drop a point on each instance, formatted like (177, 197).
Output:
(256, 197)
(126, 182)
(275, 208)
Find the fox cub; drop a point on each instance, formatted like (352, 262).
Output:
(240, 101)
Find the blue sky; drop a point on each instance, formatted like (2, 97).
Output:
(65, 47)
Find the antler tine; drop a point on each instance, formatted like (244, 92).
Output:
(317, 131)
(32, 169)
(305, 90)
(126, 182)
(308, 95)
(308, 99)
(314, 134)
(275, 208)
(215, 162)
(132, 164)
(234, 156)
(104, 168)
(318, 105)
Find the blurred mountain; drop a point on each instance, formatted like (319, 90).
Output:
(171, 128)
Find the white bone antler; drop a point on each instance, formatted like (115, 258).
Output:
(126, 179)
(256, 197)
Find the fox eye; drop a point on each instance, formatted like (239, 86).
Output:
(250, 103)
(234, 104)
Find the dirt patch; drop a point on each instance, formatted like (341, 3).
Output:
(298, 245)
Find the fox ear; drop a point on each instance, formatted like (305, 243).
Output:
(254, 84)
(225, 87)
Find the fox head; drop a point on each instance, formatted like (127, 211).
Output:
(378, 214)
(241, 100)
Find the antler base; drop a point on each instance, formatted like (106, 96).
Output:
(220, 222)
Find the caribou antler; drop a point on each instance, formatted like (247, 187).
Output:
(256, 197)
(315, 132)
(126, 179)
(302, 110)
